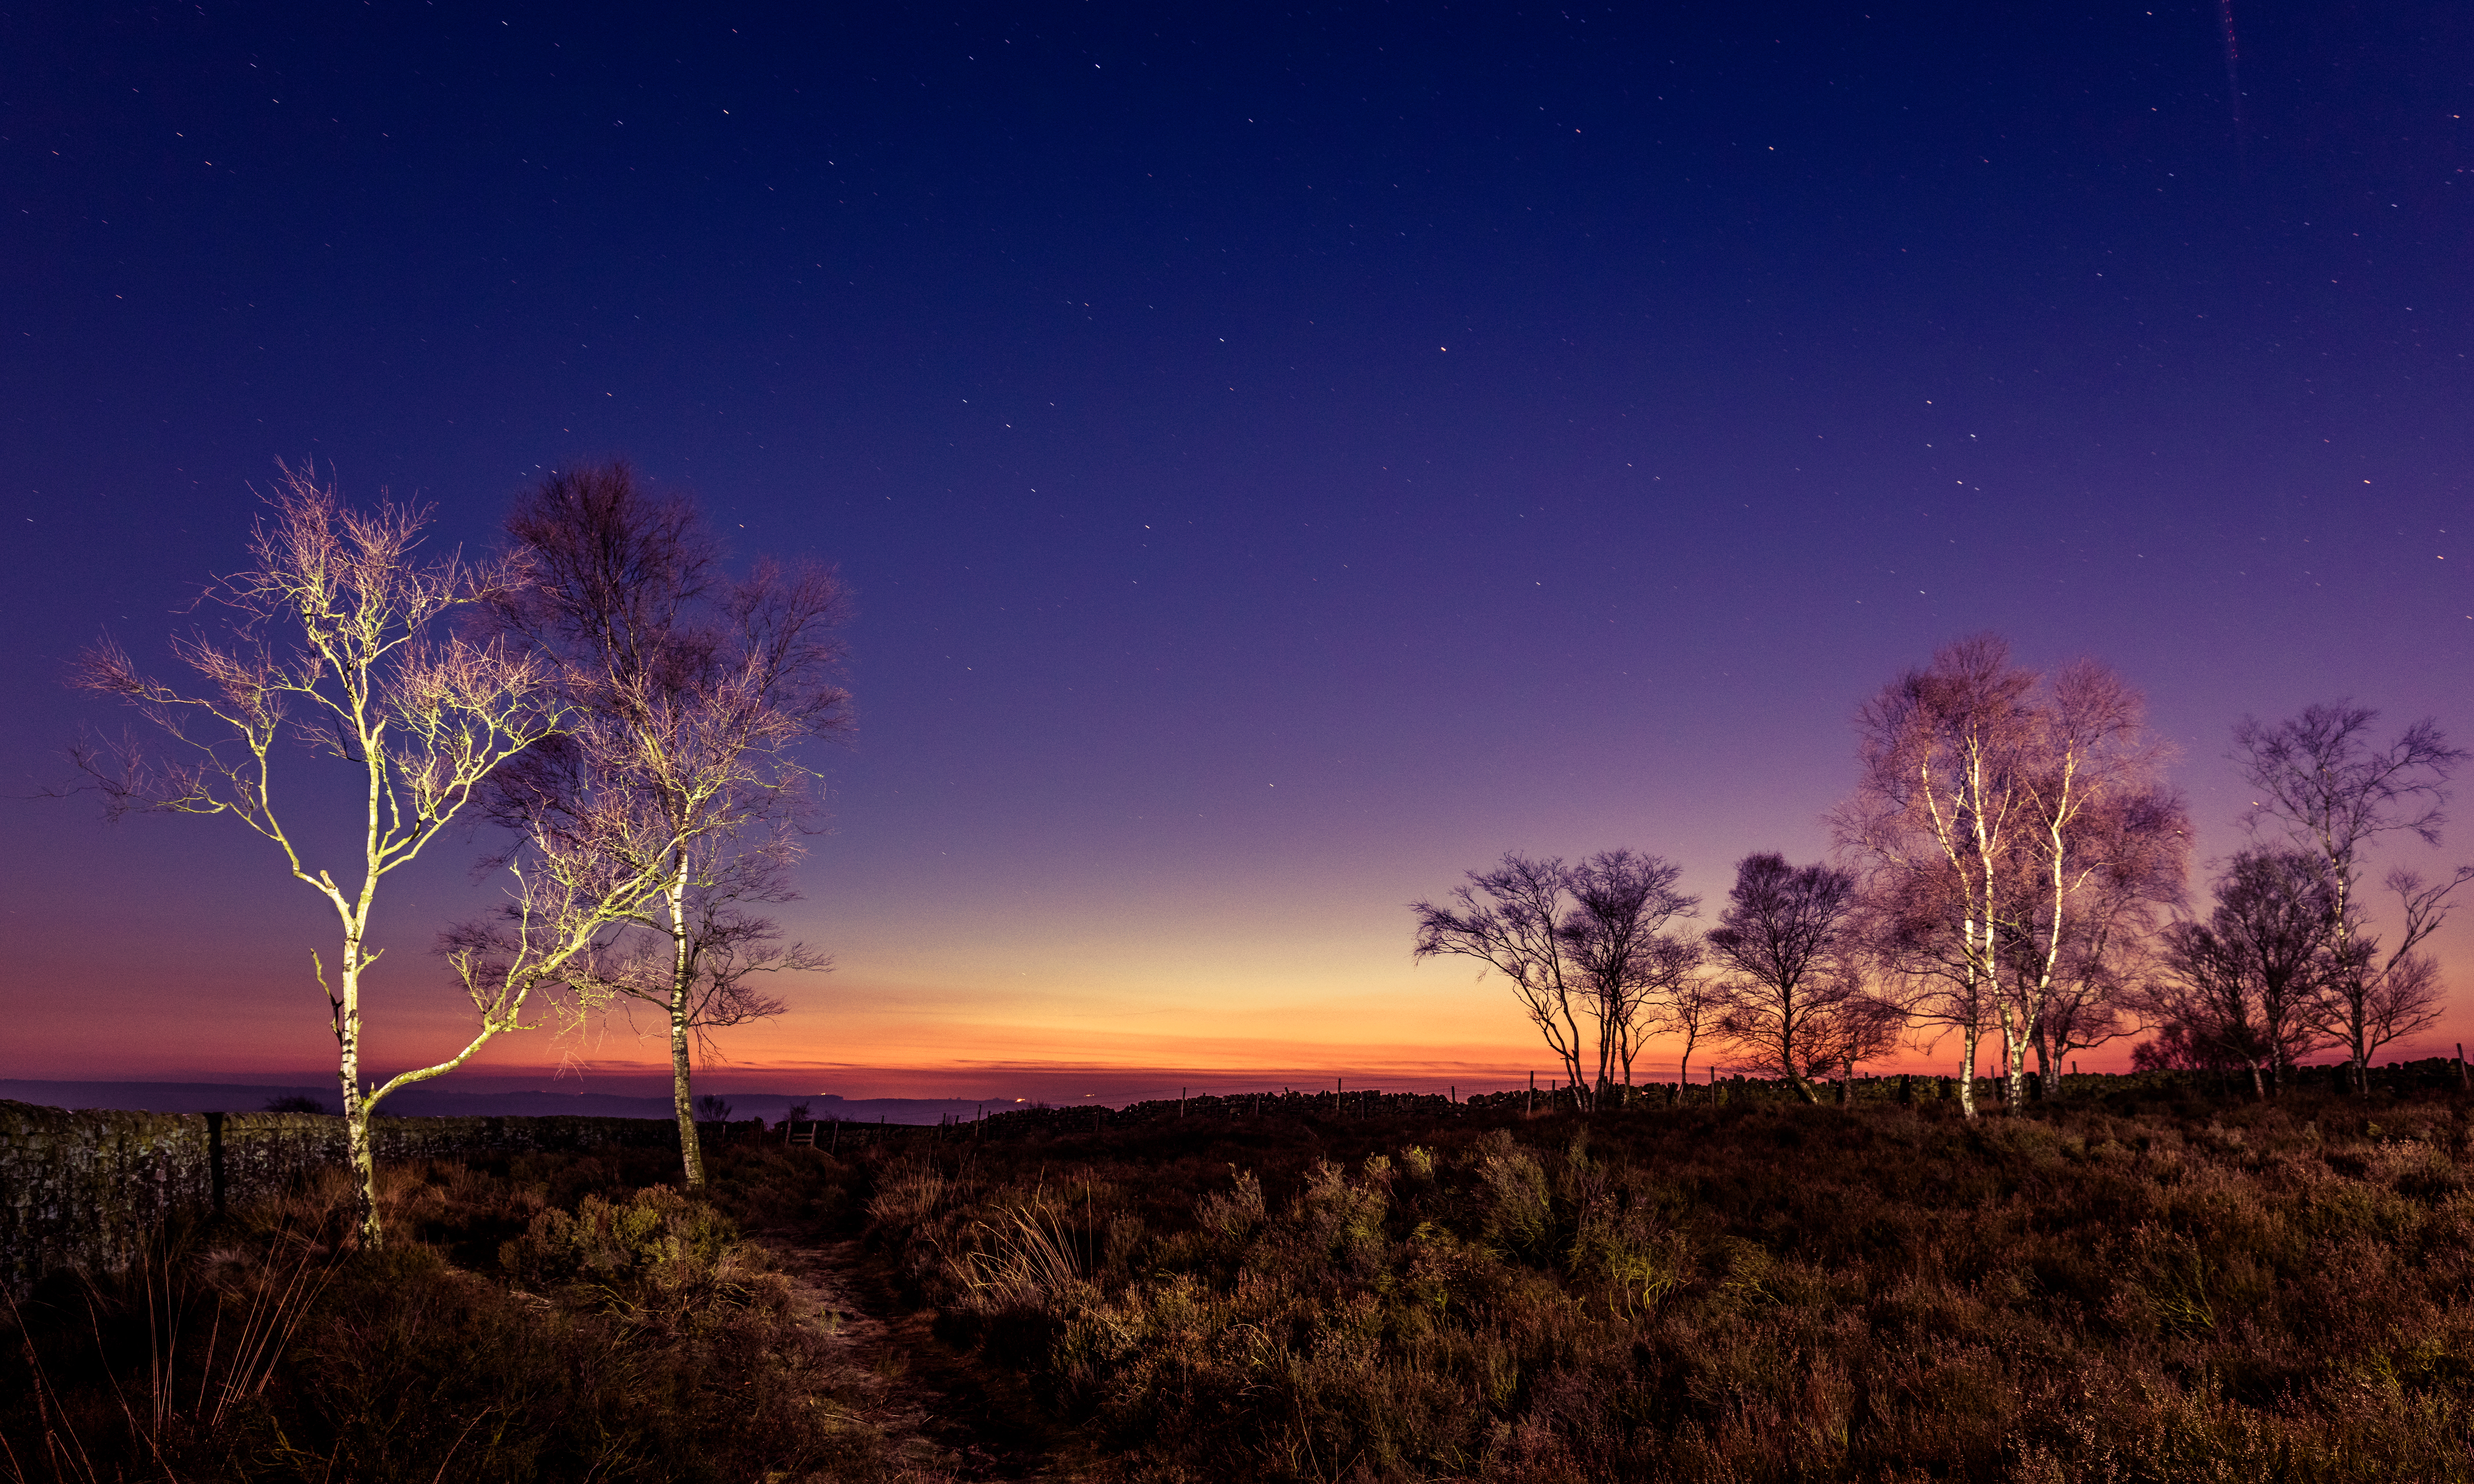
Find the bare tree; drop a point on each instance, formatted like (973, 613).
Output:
(330, 645)
(1693, 1007)
(2371, 999)
(1793, 987)
(694, 692)
(2245, 981)
(2215, 1011)
(1992, 817)
(2333, 792)
(1670, 977)
(1614, 937)
(1511, 919)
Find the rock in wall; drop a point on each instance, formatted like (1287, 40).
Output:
(85, 1187)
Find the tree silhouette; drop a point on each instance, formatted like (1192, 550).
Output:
(1791, 976)
(2333, 792)
(2244, 982)
(1511, 918)
(1627, 964)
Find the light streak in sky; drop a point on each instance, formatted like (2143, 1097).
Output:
(2232, 67)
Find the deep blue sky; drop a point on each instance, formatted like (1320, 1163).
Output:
(1285, 458)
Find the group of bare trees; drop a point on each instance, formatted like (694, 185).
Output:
(625, 713)
(1592, 951)
(2289, 960)
(1602, 962)
(2010, 872)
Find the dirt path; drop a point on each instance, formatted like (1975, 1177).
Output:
(944, 1417)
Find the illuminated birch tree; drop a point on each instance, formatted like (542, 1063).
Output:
(2106, 844)
(2140, 846)
(1935, 820)
(332, 646)
(1992, 817)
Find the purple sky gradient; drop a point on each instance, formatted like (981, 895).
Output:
(1283, 461)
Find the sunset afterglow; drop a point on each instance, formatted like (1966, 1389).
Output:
(1279, 471)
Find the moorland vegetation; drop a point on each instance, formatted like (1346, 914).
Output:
(2141, 1280)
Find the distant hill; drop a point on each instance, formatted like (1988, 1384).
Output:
(426, 1103)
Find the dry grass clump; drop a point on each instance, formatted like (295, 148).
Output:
(1758, 1292)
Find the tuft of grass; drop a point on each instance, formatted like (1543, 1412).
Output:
(1023, 1257)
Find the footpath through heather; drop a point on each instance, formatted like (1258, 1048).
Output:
(942, 1417)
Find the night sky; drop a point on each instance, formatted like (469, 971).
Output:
(1284, 457)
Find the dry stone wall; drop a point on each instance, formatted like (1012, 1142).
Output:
(87, 1187)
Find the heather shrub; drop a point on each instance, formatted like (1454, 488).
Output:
(654, 1254)
(1232, 1215)
(1518, 1216)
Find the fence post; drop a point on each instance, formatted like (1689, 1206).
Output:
(215, 1157)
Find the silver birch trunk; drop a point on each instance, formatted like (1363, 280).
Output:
(356, 1109)
(1968, 1036)
(2014, 1060)
(347, 1004)
(682, 1005)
